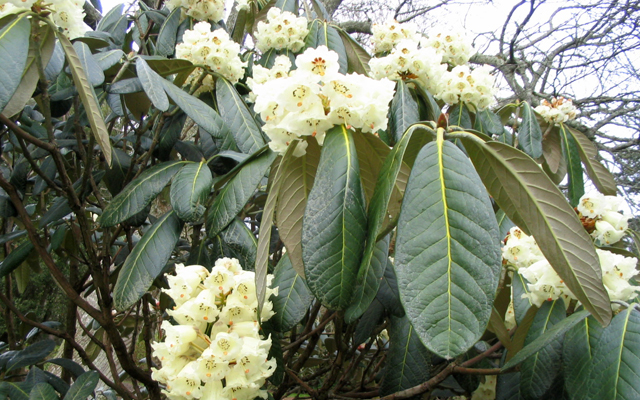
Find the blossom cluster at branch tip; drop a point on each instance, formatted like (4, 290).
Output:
(557, 111)
(215, 50)
(387, 35)
(283, 30)
(200, 10)
(475, 87)
(66, 14)
(601, 217)
(315, 97)
(215, 351)
(454, 46)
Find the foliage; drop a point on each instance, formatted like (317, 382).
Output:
(380, 206)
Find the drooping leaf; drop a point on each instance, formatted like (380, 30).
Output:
(92, 69)
(15, 258)
(235, 194)
(107, 59)
(388, 293)
(537, 206)
(87, 96)
(403, 111)
(199, 111)
(115, 22)
(408, 361)
(152, 85)
(447, 250)
(126, 86)
(190, 190)
(292, 200)
(333, 228)
(613, 371)
(520, 304)
(146, 261)
(237, 241)
(140, 192)
(488, 123)
(166, 43)
(14, 49)
(552, 150)
(371, 318)
(577, 355)
(574, 166)
(170, 133)
(166, 67)
(70, 365)
(357, 57)
(238, 118)
(459, 116)
(83, 386)
(115, 175)
(294, 298)
(504, 223)
(31, 355)
(529, 132)
(43, 391)
(600, 176)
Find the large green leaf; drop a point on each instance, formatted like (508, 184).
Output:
(235, 194)
(237, 241)
(115, 22)
(190, 190)
(408, 361)
(403, 111)
(87, 96)
(540, 369)
(203, 115)
(31, 355)
(459, 116)
(293, 299)
(94, 72)
(537, 206)
(140, 192)
(614, 373)
(577, 355)
(152, 85)
(529, 132)
(448, 256)
(43, 391)
(14, 48)
(15, 258)
(83, 386)
(520, 304)
(357, 57)
(600, 176)
(334, 224)
(238, 118)
(146, 261)
(166, 43)
(292, 200)
(574, 166)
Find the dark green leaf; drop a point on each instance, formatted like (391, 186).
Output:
(388, 293)
(574, 166)
(488, 123)
(146, 261)
(108, 59)
(166, 67)
(115, 23)
(333, 228)
(238, 242)
(15, 258)
(94, 72)
(448, 256)
(43, 391)
(613, 371)
(235, 194)
(403, 111)
(238, 118)
(31, 355)
(190, 189)
(459, 116)
(508, 386)
(541, 368)
(70, 365)
(14, 49)
(520, 304)
(537, 206)
(288, 5)
(600, 176)
(408, 361)
(357, 57)
(504, 223)
(140, 192)
(115, 175)
(48, 167)
(372, 317)
(294, 298)
(13, 235)
(152, 85)
(83, 386)
(199, 111)
(87, 96)
(529, 132)
(166, 43)
(125, 86)
(577, 355)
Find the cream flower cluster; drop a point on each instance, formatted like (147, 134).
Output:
(452, 44)
(315, 97)
(212, 49)
(557, 111)
(407, 61)
(283, 30)
(215, 351)
(66, 14)
(473, 87)
(280, 69)
(543, 283)
(386, 36)
(200, 10)
(601, 217)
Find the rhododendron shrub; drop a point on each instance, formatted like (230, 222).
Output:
(254, 206)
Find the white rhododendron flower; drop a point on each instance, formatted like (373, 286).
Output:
(475, 87)
(386, 36)
(557, 111)
(200, 10)
(616, 272)
(452, 44)
(283, 30)
(315, 97)
(407, 61)
(66, 14)
(214, 50)
(603, 213)
(216, 350)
